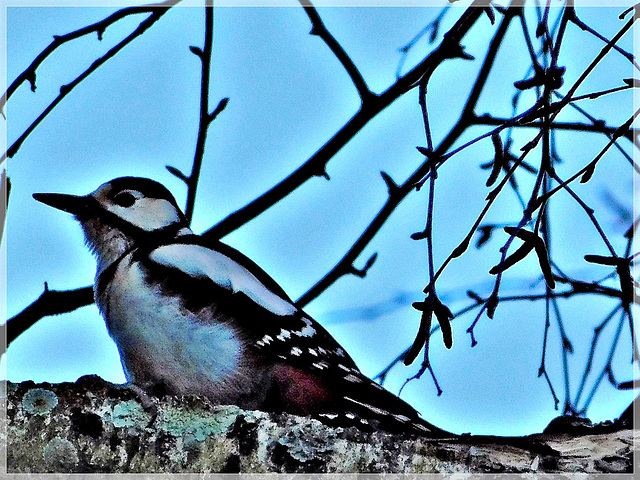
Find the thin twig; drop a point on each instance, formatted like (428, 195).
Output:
(590, 167)
(566, 349)
(587, 370)
(154, 16)
(421, 340)
(206, 118)
(590, 212)
(29, 75)
(5, 190)
(574, 18)
(433, 26)
(544, 226)
(633, 134)
(608, 365)
(318, 28)
(542, 370)
(587, 71)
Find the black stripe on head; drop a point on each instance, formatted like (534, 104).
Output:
(149, 188)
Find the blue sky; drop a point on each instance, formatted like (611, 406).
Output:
(288, 96)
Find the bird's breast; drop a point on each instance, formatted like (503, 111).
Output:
(161, 342)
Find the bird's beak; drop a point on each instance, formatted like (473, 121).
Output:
(67, 203)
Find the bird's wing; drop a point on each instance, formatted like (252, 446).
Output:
(244, 292)
(315, 375)
(200, 262)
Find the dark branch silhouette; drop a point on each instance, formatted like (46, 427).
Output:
(632, 134)
(51, 302)
(29, 75)
(5, 190)
(155, 13)
(371, 106)
(321, 31)
(206, 117)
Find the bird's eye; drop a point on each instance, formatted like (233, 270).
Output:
(124, 199)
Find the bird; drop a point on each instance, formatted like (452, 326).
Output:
(196, 317)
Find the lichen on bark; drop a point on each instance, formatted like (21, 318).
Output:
(92, 426)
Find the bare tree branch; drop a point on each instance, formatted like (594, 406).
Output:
(51, 302)
(398, 193)
(578, 288)
(633, 134)
(585, 172)
(5, 190)
(29, 75)
(206, 118)
(321, 31)
(155, 13)
(573, 17)
(316, 165)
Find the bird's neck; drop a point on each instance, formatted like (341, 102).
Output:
(106, 243)
(109, 243)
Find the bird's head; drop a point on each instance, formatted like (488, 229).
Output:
(120, 214)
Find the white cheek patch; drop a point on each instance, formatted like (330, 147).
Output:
(201, 262)
(148, 213)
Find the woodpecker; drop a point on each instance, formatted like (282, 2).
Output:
(196, 317)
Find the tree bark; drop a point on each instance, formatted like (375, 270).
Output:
(98, 427)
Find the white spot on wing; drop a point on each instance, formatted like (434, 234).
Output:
(331, 416)
(375, 410)
(266, 340)
(296, 351)
(352, 378)
(284, 334)
(202, 262)
(307, 330)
